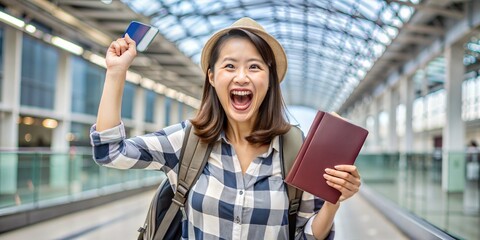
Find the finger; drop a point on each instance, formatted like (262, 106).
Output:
(351, 184)
(116, 48)
(128, 39)
(349, 168)
(123, 45)
(336, 115)
(342, 174)
(346, 176)
(345, 193)
(340, 183)
(131, 43)
(343, 186)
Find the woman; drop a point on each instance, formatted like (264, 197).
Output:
(240, 193)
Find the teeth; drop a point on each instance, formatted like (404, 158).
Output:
(241, 93)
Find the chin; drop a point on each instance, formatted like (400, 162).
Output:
(241, 117)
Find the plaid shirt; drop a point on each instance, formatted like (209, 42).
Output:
(224, 203)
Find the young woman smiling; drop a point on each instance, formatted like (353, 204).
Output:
(240, 193)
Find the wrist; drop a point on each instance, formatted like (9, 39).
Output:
(116, 74)
(331, 206)
(116, 71)
(323, 221)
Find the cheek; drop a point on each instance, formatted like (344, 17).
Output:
(221, 81)
(221, 89)
(224, 75)
(261, 93)
(263, 85)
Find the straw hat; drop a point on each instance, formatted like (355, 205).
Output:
(252, 26)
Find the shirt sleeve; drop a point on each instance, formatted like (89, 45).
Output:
(158, 150)
(309, 207)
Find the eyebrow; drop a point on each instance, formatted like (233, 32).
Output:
(229, 59)
(249, 60)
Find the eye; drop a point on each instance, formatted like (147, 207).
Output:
(229, 65)
(254, 66)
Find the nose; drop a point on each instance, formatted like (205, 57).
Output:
(241, 77)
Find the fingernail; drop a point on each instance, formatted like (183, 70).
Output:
(328, 170)
(126, 35)
(325, 176)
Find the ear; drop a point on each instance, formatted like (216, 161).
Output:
(210, 77)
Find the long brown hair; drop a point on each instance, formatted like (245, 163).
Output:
(271, 120)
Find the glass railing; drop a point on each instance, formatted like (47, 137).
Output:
(414, 182)
(34, 180)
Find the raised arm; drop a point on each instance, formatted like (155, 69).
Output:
(120, 55)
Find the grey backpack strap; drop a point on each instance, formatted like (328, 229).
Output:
(193, 157)
(290, 144)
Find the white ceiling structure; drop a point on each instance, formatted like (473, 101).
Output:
(338, 50)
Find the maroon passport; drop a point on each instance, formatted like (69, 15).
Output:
(330, 141)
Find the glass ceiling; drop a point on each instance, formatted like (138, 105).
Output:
(330, 44)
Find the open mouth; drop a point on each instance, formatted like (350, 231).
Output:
(241, 99)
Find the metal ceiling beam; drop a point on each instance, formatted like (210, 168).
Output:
(182, 76)
(411, 39)
(472, 67)
(403, 56)
(85, 3)
(432, 30)
(287, 4)
(312, 27)
(111, 15)
(65, 17)
(456, 31)
(343, 30)
(322, 55)
(433, 9)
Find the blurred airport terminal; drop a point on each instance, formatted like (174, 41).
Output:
(407, 70)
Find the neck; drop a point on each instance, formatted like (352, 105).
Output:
(237, 131)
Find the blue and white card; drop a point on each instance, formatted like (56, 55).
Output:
(142, 34)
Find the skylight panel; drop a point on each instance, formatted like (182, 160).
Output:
(332, 47)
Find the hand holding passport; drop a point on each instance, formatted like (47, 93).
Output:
(331, 141)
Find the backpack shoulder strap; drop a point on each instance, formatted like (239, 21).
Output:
(290, 144)
(193, 157)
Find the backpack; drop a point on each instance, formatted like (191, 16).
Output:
(166, 210)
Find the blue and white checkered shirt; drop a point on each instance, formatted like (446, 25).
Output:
(224, 203)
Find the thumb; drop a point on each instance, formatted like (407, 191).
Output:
(336, 115)
(130, 41)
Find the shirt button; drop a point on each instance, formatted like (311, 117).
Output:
(241, 192)
(237, 219)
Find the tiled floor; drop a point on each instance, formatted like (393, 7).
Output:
(356, 219)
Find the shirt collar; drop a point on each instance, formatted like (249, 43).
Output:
(274, 145)
(223, 137)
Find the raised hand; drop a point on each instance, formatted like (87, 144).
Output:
(120, 54)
